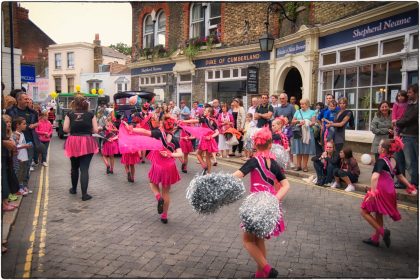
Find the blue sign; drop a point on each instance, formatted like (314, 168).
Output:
(27, 73)
(291, 49)
(397, 22)
(232, 59)
(152, 69)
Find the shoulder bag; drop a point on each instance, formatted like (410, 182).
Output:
(297, 129)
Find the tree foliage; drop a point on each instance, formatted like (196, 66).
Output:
(122, 48)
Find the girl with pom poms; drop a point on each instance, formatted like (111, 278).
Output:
(130, 160)
(381, 198)
(185, 142)
(278, 136)
(208, 143)
(163, 171)
(110, 147)
(266, 175)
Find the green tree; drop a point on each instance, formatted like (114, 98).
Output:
(122, 48)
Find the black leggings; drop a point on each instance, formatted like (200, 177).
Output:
(83, 163)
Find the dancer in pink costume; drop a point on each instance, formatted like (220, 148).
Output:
(208, 143)
(130, 160)
(266, 175)
(382, 198)
(186, 147)
(163, 171)
(110, 147)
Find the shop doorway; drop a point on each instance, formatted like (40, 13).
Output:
(225, 92)
(293, 84)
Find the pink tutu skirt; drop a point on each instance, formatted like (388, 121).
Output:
(186, 146)
(110, 148)
(76, 146)
(130, 158)
(163, 170)
(208, 145)
(385, 201)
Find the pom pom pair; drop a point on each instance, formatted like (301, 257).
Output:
(208, 193)
(281, 155)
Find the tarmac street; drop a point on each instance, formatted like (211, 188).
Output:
(118, 234)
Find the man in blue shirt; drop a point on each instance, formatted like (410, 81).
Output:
(284, 109)
(185, 111)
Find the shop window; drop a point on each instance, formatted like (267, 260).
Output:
(57, 59)
(351, 77)
(210, 74)
(393, 46)
(226, 73)
(351, 94)
(379, 74)
(217, 74)
(244, 72)
(327, 79)
(152, 80)
(205, 19)
(235, 73)
(347, 55)
(415, 40)
(365, 75)
(142, 81)
(339, 78)
(164, 79)
(328, 59)
(394, 72)
(368, 51)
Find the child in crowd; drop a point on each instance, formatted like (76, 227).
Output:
(225, 121)
(44, 131)
(110, 146)
(348, 172)
(273, 181)
(381, 198)
(185, 142)
(250, 125)
(328, 117)
(12, 179)
(398, 109)
(129, 160)
(277, 130)
(19, 124)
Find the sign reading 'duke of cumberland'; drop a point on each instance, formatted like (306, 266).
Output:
(252, 80)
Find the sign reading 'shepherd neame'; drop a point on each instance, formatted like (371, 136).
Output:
(153, 69)
(291, 49)
(232, 59)
(397, 22)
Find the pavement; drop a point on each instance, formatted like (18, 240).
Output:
(118, 233)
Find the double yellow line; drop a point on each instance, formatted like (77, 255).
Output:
(43, 232)
(294, 179)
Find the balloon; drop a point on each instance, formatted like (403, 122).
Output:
(366, 159)
(132, 100)
(77, 87)
(93, 91)
(100, 91)
(54, 95)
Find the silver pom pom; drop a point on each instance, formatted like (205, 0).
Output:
(260, 213)
(208, 193)
(282, 156)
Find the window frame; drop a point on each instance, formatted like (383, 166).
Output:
(57, 61)
(70, 87)
(156, 31)
(57, 86)
(206, 18)
(70, 60)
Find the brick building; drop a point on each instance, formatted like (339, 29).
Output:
(319, 47)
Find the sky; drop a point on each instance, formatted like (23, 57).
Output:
(68, 22)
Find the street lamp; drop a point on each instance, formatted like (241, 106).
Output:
(267, 40)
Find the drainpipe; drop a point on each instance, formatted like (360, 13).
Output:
(12, 66)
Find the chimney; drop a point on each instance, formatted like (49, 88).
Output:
(22, 13)
(97, 42)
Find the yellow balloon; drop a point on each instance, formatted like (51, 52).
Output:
(53, 95)
(101, 91)
(93, 91)
(77, 87)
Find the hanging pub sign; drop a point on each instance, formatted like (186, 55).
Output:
(252, 80)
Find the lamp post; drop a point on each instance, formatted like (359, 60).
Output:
(267, 40)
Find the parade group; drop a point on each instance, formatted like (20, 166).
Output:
(164, 134)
